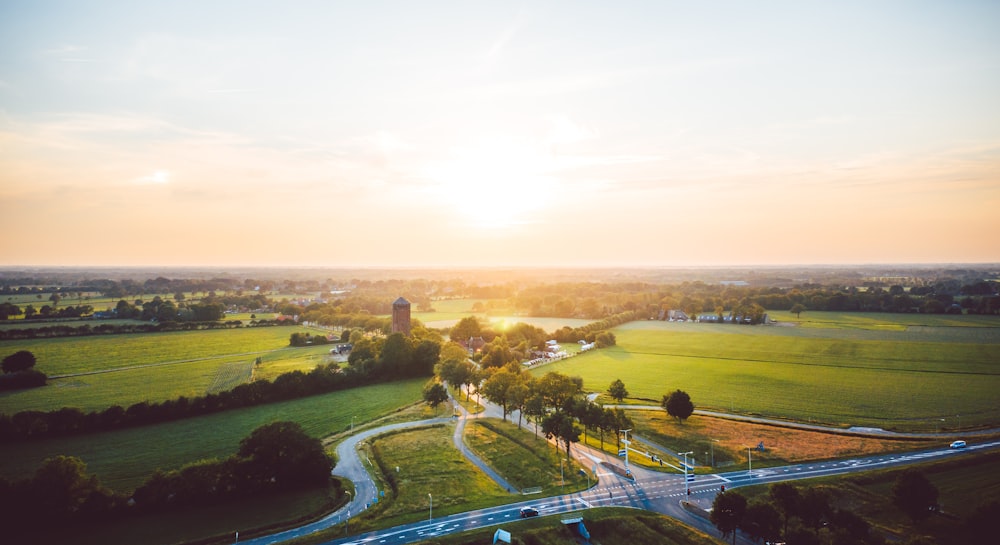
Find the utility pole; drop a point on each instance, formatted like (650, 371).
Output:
(685, 455)
(626, 442)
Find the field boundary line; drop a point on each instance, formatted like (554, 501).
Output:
(163, 364)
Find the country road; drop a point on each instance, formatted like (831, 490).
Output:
(649, 490)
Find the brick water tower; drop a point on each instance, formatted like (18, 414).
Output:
(401, 316)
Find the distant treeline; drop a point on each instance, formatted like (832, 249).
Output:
(592, 331)
(324, 378)
(118, 329)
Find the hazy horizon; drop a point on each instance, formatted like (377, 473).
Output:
(475, 135)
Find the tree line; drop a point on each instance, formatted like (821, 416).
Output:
(85, 330)
(807, 516)
(274, 457)
(395, 358)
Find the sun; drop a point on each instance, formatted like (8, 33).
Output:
(496, 184)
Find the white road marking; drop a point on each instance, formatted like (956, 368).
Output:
(583, 501)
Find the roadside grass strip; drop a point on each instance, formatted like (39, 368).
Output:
(521, 458)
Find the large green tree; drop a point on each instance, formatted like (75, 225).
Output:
(727, 512)
(499, 387)
(435, 393)
(914, 494)
(560, 426)
(557, 389)
(281, 455)
(678, 405)
(466, 328)
(761, 521)
(617, 390)
(21, 360)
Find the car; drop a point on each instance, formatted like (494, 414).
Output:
(528, 512)
(958, 444)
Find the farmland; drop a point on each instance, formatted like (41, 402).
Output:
(925, 377)
(123, 459)
(448, 312)
(126, 369)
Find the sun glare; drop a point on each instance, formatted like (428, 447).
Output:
(495, 185)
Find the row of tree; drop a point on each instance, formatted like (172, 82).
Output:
(274, 457)
(806, 516)
(553, 402)
(792, 515)
(85, 330)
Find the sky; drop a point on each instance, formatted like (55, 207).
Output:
(473, 133)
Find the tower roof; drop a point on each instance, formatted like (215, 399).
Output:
(400, 302)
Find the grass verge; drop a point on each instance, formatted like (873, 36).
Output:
(964, 483)
(607, 526)
(522, 459)
(123, 459)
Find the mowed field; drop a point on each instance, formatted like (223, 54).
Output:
(880, 371)
(124, 459)
(96, 372)
(448, 312)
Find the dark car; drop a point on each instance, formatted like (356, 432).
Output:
(529, 512)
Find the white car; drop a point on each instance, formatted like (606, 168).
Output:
(958, 444)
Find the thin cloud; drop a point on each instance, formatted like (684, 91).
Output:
(160, 177)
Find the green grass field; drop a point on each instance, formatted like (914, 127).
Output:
(152, 366)
(607, 526)
(963, 484)
(448, 312)
(522, 459)
(123, 459)
(841, 376)
(428, 463)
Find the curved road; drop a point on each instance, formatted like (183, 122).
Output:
(649, 490)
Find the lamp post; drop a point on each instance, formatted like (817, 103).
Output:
(430, 512)
(352, 423)
(626, 442)
(562, 480)
(685, 455)
(712, 445)
(749, 463)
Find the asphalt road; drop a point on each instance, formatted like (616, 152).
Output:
(649, 490)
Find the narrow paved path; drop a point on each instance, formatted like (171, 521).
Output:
(471, 456)
(664, 493)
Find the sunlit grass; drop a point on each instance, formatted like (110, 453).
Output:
(123, 459)
(833, 378)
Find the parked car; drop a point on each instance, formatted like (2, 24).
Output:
(958, 444)
(528, 512)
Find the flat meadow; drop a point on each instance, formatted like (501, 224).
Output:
(857, 371)
(448, 312)
(123, 459)
(95, 372)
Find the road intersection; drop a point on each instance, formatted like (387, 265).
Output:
(648, 490)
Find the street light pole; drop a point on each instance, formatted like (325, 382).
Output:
(685, 454)
(749, 463)
(352, 423)
(430, 513)
(712, 445)
(626, 442)
(562, 480)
